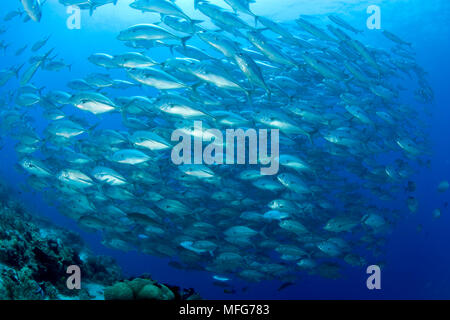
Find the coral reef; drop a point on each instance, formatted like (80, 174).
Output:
(147, 289)
(35, 254)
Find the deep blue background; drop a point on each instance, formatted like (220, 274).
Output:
(417, 263)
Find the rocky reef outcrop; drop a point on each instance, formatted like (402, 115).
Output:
(145, 288)
(35, 255)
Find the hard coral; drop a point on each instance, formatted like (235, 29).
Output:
(145, 289)
(35, 254)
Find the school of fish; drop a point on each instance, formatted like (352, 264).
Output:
(348, 141)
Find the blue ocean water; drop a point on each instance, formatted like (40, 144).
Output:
(416, 263)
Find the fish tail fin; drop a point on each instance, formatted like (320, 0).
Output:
(94, 127)
(269, 94)
(124, 113)
(171, 48)
(308, 135)
(184, 40)
(195, 86)
(41, 89)
(262, 233)
(248, 93)
(17, 70)
(291, 98)
(48, 54)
